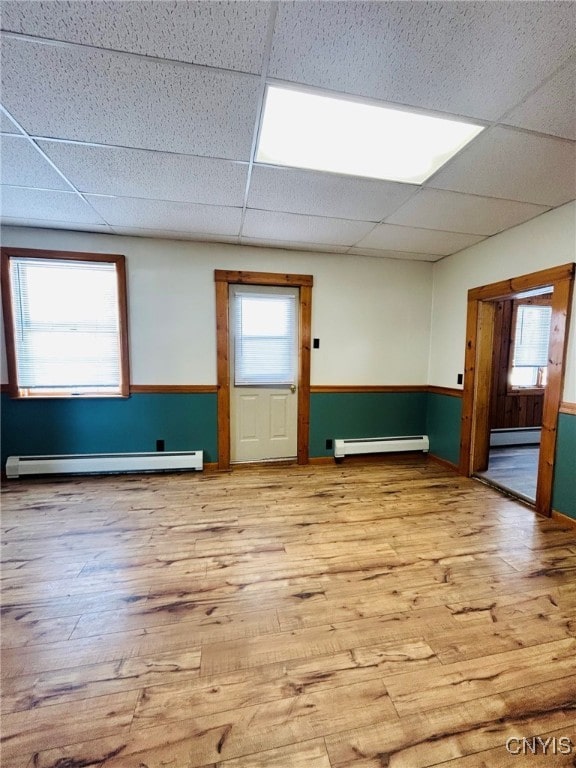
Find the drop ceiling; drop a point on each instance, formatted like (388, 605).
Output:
(141, 118)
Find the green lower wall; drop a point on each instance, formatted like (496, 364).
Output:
(564, 492)
(364, 414)
(443, 414)
(189, 422)
(186, 422)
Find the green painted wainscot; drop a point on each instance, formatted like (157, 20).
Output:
(443, 415)
(564, 491)
(347, 415)
(185, 421)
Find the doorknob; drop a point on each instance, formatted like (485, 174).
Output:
(292, 388)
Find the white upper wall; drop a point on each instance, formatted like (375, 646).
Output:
(372, 316)
(547, 241)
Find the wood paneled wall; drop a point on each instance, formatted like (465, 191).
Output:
(509, 410)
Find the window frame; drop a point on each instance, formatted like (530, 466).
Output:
(546, 301)
(16, 392)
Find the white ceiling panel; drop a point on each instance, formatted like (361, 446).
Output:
(379, 253)
(6, 125)
(286, 244)
(159, 214)
(22, 165)
(19, 203)
(552, 108)
(156, 175)
(172, 234)
(325, 194)
(12, 221)
(216, 34)
(270, 225)
(456, 212)
(470, 58)
(393, 238)
(95, 96)
(511, 164)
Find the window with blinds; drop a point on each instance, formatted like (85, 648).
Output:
(530, 346)
(265, 338)
(67, 326)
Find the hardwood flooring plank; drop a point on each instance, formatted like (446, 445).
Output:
(25, 732)
(464, 681)
(25, 632)
(241, 732)
(316, 641)
(71, 684)
(220, 693)
(478, 640)
(446, 733)
(203, 628)
(307, 754)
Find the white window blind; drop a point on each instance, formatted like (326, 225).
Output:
(264, 339)
(66, 325)
(530, 354)
(532, 336)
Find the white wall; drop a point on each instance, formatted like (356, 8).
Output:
(372, 315)
(547, 241)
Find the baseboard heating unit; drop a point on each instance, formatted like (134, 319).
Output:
(380, 445)
(88, 463)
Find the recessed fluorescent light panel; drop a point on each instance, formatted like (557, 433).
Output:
(303, 129)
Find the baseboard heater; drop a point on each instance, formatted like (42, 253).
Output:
(91, 463)
(380, 445)
(515, 436)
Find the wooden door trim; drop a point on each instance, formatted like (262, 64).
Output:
(223, 279)
(477, 334)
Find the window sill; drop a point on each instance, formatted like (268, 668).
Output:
(532, 391)
(92, 396)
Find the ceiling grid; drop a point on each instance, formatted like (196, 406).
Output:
(142, 118)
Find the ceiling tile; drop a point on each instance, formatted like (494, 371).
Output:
(109, 98)
(551, 109)
(470, 58)
(154, 175)
(20, 203)
(172, 234)
(380, 253)
(270, 225)
(11, 221)
(514, 165)
(7, 126)
(394, 238)
(456, 212)
(159, 214)
(325, 194)
(316, 247)
(22, 165)
(216, 34)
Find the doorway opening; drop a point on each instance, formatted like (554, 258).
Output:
(491, 360)
(519, 377)
(228, 282)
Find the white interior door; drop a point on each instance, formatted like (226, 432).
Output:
(264, 372)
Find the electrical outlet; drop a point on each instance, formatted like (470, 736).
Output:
(460, 378)
(316, 344)
(160, 446)
(329, 445)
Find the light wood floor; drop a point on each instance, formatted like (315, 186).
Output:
(364, 615)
